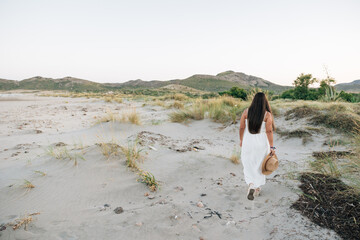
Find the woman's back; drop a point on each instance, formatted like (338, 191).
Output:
(255, 147)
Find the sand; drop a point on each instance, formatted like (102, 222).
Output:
(71, 199)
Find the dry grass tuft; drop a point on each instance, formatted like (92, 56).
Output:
(62, 153)
(43, 174)
(23, 221)
(109, 149)
(109, 117)
(235, 157)
(177, 105)
(28, 185)
(159, 103)
(131, 116)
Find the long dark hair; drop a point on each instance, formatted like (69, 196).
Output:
(257, 111)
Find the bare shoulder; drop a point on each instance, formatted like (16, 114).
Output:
(268, 116)
(246, 112)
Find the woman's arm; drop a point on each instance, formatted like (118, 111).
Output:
(269, 129)
(242, 126)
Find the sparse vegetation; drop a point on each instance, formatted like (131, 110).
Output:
(62, 153)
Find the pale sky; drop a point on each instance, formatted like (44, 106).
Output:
(117, 41)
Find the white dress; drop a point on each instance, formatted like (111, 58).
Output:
(255, 147)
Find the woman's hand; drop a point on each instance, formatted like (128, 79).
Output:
(272, 151)
(240, 143)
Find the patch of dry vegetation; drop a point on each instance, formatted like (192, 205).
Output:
(130, 116)
(330, 203)
(109, 149)
(63, 153)
(23, 221)
(109, 117)
(235, 157)
(298, 133)
(177, 105)
(28, 185)
(223, 109)
(339, 115)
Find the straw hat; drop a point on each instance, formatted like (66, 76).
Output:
(269, 164)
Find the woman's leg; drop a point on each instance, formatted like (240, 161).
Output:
(257, 192)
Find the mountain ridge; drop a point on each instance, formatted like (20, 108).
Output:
(222, 81)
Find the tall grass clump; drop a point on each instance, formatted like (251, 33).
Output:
(131, 117)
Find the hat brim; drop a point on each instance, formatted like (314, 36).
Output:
(263, 169)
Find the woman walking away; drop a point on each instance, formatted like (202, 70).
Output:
(256, 141)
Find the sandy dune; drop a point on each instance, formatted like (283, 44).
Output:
(71, 199)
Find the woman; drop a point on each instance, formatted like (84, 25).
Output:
(256, 140)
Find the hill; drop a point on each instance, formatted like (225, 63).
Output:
(210, 83)
(213, 83)
(41, 83)
(353, 86)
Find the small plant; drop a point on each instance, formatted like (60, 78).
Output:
(43, 174)
(235, 157)
(149, 180)
(28, 185)
(109, 149)
(23, 221)
(155, 122)
(132, 155)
